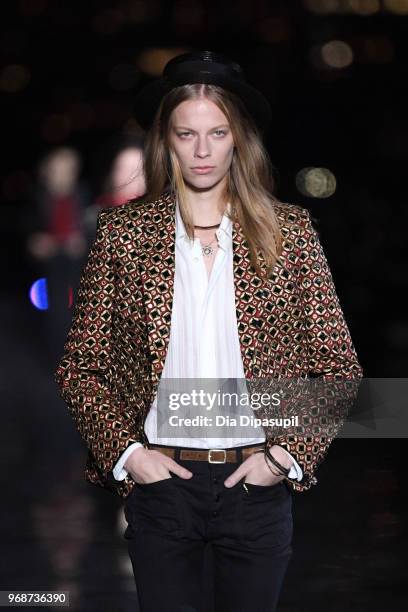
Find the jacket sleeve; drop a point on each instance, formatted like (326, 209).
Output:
(334, 370)
(84, 373)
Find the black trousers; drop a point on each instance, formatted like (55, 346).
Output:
(171, 521)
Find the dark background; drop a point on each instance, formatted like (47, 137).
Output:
(69, 74)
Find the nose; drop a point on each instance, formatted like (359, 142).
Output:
(203, 148)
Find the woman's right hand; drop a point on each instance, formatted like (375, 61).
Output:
(148, 465)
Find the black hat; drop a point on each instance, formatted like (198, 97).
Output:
(201, 67)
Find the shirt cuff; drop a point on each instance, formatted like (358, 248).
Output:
(119, 472)
(296, 471)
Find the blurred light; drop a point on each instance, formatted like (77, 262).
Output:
(337, 54)
(123, 77)
(152, 61)
(32, 7)
(316, 182)
(39, 294)
(399, 7)
(70, 296)
(273, 29)
(14, 78)
(364, 7)
(359, 7)
(322, 7)
(59, 171)
(378, 49)
(56, 128)
(109, 22)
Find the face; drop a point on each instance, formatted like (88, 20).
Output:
(127, 172)
(60, 171)
(202, 141)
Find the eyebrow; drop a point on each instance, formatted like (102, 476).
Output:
(183, 127)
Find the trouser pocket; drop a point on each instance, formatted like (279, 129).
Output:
(154, 507)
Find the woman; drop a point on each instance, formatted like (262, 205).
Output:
(210, 277)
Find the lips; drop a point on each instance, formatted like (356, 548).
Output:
(203, 169)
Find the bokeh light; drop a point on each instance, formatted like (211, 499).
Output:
(399, 7)
(322, 7)
(341, 7)
(152, 61)
(337, 54)
(316, 182)
(39, 294)
(373, 49)
(14, 78)
(364, 7)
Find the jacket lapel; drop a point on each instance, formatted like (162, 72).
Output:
(157, 267)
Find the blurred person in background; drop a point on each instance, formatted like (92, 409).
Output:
(56, 239)
(122, 180)
(209, 276)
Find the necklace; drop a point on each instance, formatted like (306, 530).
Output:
(207, 249)
(207, 226)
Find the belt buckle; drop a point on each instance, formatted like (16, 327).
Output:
(218, 450)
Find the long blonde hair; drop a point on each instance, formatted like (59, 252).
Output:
(250, 178)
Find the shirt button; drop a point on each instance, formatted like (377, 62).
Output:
(215, 513)
(215, 479)
(217, 498)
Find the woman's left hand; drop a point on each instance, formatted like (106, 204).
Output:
(256, 471)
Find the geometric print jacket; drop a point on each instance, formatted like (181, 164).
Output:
(290, 326)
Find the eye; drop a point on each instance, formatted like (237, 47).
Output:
(182, 134)
(222, 132)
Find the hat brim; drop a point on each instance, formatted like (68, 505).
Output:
(148, 98)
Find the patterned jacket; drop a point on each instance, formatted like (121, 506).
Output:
(290, 325)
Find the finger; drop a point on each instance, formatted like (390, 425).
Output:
(176, 468)
(236, 476)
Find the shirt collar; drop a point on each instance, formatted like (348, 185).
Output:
(223, 232)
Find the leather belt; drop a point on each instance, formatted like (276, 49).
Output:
(212, 455)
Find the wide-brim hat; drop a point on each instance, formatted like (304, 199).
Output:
(202, 67)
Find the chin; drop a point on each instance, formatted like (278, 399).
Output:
(203, 182)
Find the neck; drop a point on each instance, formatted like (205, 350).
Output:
(207, 206)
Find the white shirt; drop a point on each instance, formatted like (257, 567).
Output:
(204, 340)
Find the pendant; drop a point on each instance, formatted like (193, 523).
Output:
(207, 250)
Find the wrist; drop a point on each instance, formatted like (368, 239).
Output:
(281, 456)
(132, 457)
